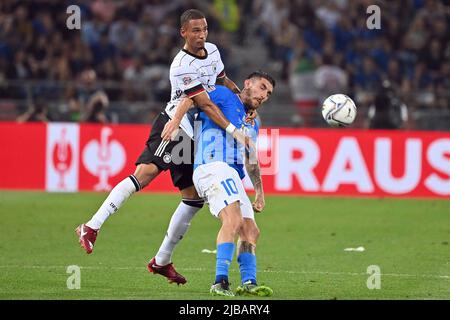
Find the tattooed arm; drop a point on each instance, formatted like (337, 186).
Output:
(254, 172)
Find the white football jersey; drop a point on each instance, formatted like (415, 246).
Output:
(191, 75)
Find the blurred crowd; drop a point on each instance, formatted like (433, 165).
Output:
(410, 49)
(123, 50)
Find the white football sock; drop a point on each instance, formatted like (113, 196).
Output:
(118, 195)
(179, 224)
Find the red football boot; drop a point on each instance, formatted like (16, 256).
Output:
(167, 271)
(87, 237)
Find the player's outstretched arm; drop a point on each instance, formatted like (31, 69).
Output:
(203, 101)
(172, 127)
(254, 172)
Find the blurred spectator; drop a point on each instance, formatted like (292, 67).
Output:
(37, 112)
(394, 72)
(95, 110)
(417, 35)
(273, 12)
(159, 10)
(104, 9)
(92, 30)
(284, 46)
(226, 13)
(70, 107)
(130, 9)
(302, 13)
(329, 79)
(103, 48)
(123, 33)
(329, 14)
(80, 56)
(22, 24)
(90, 97)
(87, 84)
(245, 21)
(301, 82)
(443, 87)
(20, 68)
(387, 111)
(367, 78)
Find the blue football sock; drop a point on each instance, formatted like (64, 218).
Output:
(247, 267)
(223, 260)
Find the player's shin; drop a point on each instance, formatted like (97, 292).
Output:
(178, 226)
(118, 195)
(231, 223)
(247, 261)
(223, 260)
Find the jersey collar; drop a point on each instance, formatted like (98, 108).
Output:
(196, 56)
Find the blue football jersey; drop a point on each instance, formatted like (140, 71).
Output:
(212, 143)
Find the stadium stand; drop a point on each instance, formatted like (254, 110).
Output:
(314, 48)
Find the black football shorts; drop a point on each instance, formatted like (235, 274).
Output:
(159, 152)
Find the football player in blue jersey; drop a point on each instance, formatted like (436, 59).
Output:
(218, 173)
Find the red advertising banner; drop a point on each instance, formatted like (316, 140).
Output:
(22, 160)
(108, 154)
(362, 162)
(66, 157)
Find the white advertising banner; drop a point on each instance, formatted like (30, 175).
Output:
(62, 157)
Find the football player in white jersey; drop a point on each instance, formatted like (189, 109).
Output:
(193, 72)
(218, 170)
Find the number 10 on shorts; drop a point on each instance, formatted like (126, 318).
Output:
(230, 186)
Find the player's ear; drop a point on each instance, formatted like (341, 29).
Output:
(247, 83)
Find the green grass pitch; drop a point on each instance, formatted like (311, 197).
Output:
(300, 253)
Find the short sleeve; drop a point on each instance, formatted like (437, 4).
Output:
(186, 78)
(222, 74)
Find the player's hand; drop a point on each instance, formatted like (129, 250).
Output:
(170, 130)
(251, 116)
(245, 140)
(259, 203)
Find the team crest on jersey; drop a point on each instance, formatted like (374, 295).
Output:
(214, 66)
(187, 80)
(167, 157)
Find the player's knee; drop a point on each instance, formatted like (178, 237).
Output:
(233, 225)
(231, 218)
(237, 223)
(145, 173)
(190, 193)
